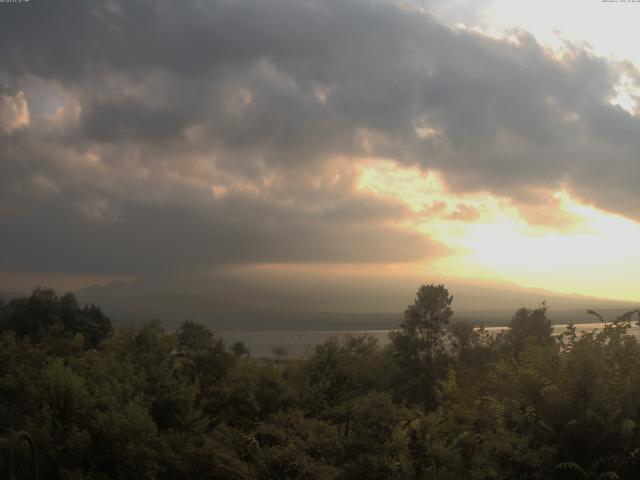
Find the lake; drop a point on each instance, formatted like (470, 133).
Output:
(298, 343)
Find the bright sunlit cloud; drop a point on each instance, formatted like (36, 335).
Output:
(607, 29)
(597, 253)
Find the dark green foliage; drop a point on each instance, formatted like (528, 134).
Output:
(193, 337)
(240, 349)
(442, 401)
(530, 325)
(419, 346)
(296, 447)
(45, 316)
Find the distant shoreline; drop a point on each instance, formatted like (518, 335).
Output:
(297, 343)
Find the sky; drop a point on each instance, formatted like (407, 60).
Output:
(496, 140)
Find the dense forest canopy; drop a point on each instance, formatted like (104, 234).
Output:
(442, 401)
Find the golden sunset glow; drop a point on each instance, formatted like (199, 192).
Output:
(581, 249)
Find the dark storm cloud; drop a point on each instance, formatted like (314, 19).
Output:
(164, 238)
(191, 133)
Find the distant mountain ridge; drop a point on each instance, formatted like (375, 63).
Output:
(7, 296)
(225, 304)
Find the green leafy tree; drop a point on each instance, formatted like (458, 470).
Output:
(193, 337)
(240, 349)
(419, 346)
(443, 400)
(532, 325)
(43, 316)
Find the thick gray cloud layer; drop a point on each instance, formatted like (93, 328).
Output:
(167, 135)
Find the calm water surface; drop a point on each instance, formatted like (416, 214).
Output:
(298, 343)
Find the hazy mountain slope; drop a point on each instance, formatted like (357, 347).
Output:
(233, 303)
(6, 296)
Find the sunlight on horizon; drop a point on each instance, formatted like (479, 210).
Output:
(581, 249)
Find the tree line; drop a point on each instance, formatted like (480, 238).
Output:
(442, 401)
